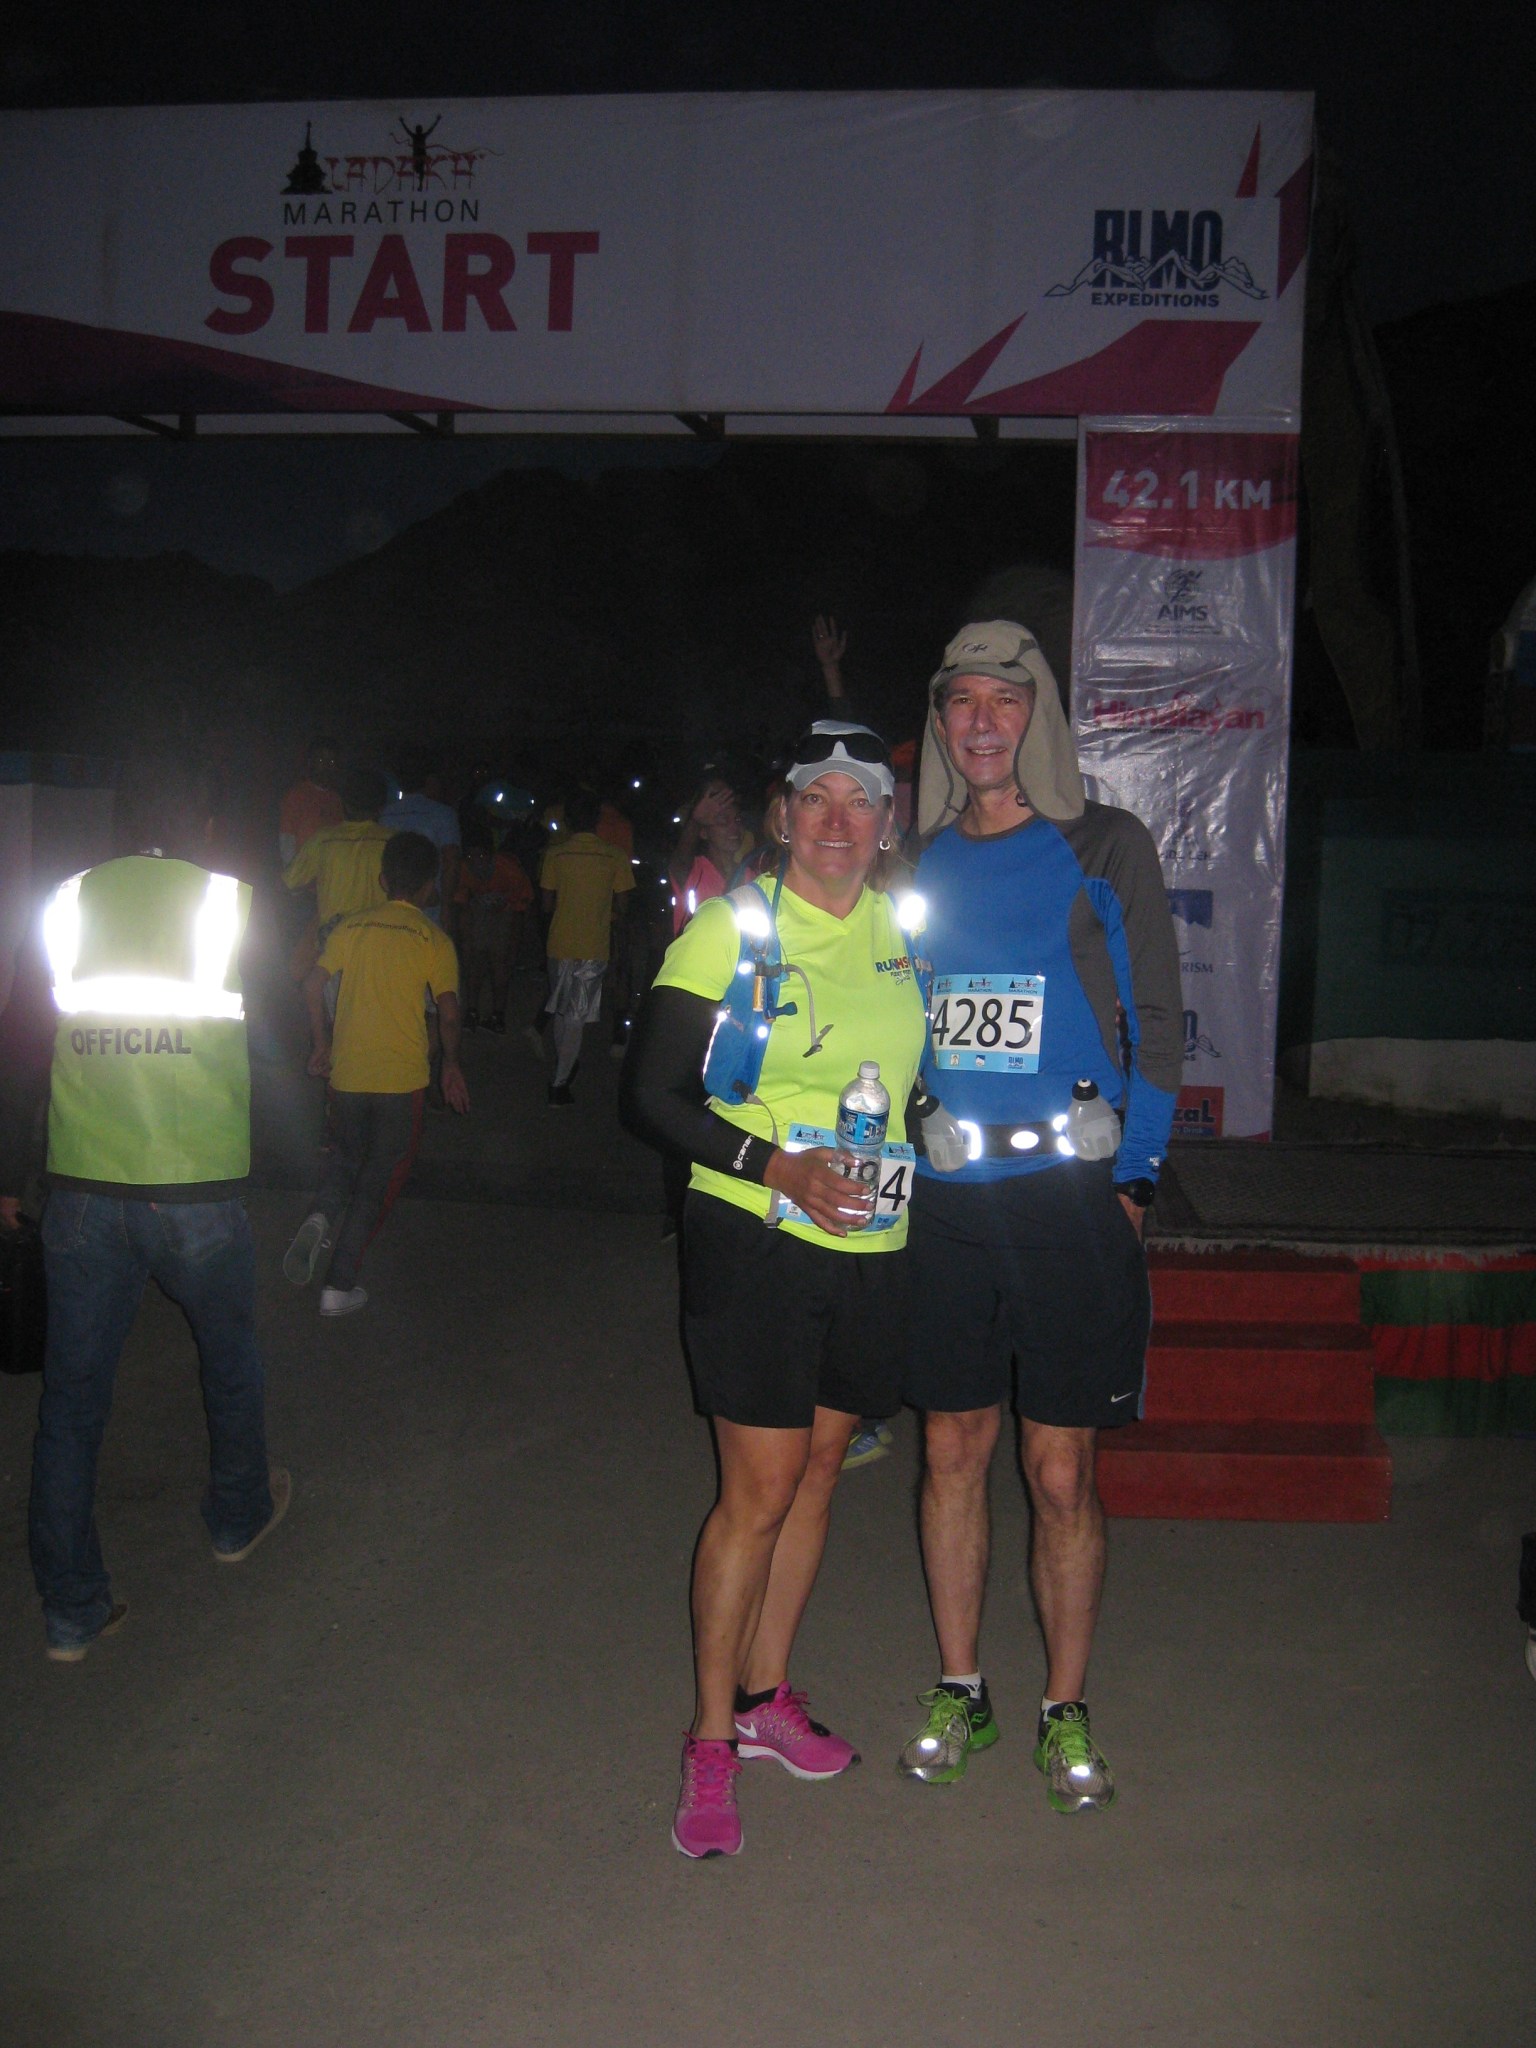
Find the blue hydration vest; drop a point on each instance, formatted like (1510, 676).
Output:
(734, 1062)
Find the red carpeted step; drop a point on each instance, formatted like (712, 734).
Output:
(1260, 1372)
(1251, 1287)
(1258, 1472)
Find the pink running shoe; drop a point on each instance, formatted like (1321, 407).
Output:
(706, 1822)
(782, 1729)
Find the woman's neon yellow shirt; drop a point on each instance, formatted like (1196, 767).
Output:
(861, 975)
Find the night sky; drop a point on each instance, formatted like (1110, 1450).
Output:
(1428, 108)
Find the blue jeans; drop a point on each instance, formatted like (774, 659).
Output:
(98, 1251)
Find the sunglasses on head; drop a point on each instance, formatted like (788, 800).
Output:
(857, 746)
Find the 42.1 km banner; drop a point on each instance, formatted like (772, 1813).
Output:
(1181, 684)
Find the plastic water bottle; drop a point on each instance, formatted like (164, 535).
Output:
(1093, 1129)
(863, 1111)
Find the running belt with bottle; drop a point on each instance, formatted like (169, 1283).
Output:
(1032, 935)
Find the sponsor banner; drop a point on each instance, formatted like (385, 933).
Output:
(1181, 709)
(1198, 1113)
(1026, 253)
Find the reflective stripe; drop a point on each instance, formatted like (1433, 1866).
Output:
(214, 938)
(61, 932)
(215, 933)
(146, 995)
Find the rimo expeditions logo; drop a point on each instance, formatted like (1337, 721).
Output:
(392, 236)
(1144, 256)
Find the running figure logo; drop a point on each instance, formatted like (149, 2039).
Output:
(416, 138)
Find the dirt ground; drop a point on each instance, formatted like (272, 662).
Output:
(405, 1776)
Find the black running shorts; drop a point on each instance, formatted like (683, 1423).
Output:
(777, 1328)
(1034, 1286)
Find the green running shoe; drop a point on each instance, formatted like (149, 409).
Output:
(1077, 1779)
(956, 1725)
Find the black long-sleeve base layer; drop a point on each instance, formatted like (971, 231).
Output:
(661, 1090)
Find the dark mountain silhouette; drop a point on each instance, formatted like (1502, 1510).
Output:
(554, 614)
(99, 652)
(569, 616)
(542, 610)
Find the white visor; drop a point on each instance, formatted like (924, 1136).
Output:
(877, 779)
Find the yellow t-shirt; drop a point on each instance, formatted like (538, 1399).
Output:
(865, 990)
(343, 863)
(585, 873)
(388, 960)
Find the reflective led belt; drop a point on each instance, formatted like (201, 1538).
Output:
(214, 938)
(1015, 1141)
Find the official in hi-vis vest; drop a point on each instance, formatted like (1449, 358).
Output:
(148, 1156)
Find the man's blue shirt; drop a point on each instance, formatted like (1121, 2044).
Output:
(1043, 940)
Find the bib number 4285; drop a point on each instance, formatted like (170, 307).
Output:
(988, 1022)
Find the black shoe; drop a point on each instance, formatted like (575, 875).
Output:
(472, 1020)
(497, 1022)
(561, 1097)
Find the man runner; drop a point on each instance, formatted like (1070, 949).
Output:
(1054, 963)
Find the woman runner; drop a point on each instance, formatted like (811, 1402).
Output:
(794, 1327)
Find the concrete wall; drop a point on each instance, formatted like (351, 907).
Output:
(1493, 1077)
(1408, 966)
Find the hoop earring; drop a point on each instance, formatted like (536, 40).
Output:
(885, 846)
(784, 838)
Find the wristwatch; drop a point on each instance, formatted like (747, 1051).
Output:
(1142, 1192)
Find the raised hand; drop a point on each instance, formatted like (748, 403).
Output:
(829, 643)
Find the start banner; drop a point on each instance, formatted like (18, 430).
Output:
(1036, 253)
(1181, 680)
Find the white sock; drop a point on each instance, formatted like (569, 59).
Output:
(971, 1680)
(1046, 1705)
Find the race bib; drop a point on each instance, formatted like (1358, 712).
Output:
(893, 1187)
(988, 1023)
